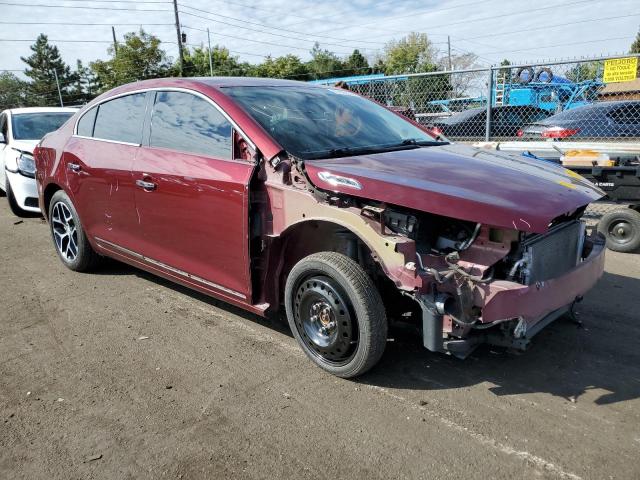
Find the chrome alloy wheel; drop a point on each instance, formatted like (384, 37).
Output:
(65, 232)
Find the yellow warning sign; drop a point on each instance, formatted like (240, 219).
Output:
(620, 69)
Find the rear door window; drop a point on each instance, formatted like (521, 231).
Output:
(121, 119)
(85, 125)
(187, 123)
(628, 114)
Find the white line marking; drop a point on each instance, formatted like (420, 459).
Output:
(483, 439)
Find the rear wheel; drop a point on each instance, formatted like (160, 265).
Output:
(68, 236)
(621, 229)
(336, 314)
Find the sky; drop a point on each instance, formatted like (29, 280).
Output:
(522, 31)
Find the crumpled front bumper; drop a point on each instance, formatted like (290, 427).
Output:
(526, 309)
(503, 299)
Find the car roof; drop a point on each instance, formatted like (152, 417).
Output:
(17, 111)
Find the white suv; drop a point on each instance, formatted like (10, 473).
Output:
(20, 131)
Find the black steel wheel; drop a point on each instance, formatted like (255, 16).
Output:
(336, 314)
(324, 319)
(621, 229)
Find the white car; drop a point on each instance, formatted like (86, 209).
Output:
(20, 131)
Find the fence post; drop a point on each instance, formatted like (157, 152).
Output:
(487, 130)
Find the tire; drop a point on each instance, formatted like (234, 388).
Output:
(519, 72)
(13, 203)
(546, 70)
(621, 228)
(338, 293)
(82, 258)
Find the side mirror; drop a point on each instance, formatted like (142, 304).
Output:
(2, 139)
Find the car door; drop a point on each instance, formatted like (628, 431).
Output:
(4, 147)
(192, 195)
(99, 158)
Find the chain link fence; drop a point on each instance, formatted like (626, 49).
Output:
(582, 100)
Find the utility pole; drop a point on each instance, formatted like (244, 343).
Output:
(179, 36)
(449, 49)
(115, 43)
(210, 60)
(55, 74)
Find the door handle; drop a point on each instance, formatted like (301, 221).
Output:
(146, 186)
(74, 167)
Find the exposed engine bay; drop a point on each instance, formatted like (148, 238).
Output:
(447, 254)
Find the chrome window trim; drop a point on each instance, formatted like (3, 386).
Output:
(107, 141)
(182, 273)
(163, 89)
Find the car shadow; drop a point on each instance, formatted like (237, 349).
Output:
(565, 359)
(113, 268)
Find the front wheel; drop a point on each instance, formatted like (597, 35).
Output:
(621, 229)
(13, 203)
(68, 236)
(336, 314)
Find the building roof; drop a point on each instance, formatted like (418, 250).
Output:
(621, 87)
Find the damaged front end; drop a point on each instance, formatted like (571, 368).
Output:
(501, 287)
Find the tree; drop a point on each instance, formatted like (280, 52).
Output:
(585, 71)
(287, 66)
(196, 62)
(356, 64)
(411, 54)
(415, 54)
(139, 57)
(85, 86)
(324, 64)
(41, 65)
(461, 82)
(635, 46)
(13, 91)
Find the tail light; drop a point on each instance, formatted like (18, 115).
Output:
(520, 132)
(437, 131)
(559, 132)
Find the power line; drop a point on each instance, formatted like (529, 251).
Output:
(560, 45)
(272, 27)
(83, 7)
(546, 27)
(86, 24)
(262, 31)
(257, 41)
(503, 15)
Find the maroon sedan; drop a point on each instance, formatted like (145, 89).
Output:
(274, 194)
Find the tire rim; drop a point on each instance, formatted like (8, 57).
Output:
(621, 232)
(65, 232)
(325, 320)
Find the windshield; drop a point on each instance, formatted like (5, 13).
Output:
(314, 122)
(34, 126)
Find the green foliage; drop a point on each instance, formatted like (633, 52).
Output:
(13, 91)
(40, 69)
(635, 46)
(138, 58)
(585, 71)
(356, 64)
(287, 66)
(85, 86)
(324, 64)
(196, 62)
(412, 54)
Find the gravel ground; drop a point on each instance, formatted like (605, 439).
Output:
(120, 374)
